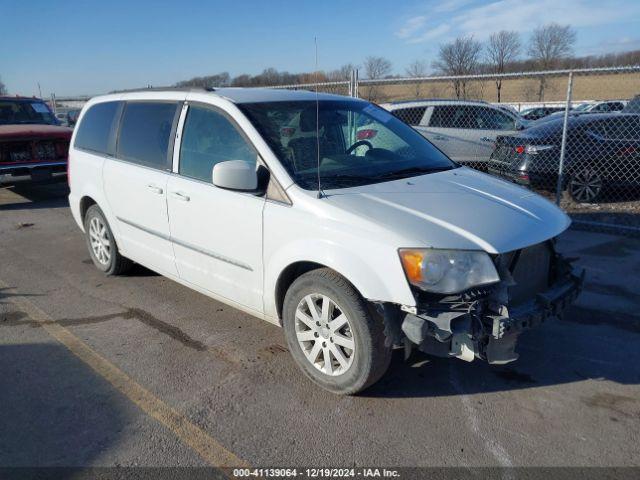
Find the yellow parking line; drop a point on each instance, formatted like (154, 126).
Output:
(192, 435)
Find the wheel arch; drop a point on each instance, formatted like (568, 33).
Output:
(86, 202)
(291, 273)
(381, 280)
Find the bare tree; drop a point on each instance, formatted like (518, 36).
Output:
(548, 45)
(502, 49)
(460, 57)
(3, 88)
(342, 73)
(376, 68)
(416, 69)
(210, 81)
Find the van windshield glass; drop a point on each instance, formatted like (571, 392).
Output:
(359, 143)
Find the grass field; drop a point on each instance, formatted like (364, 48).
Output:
(585, 87)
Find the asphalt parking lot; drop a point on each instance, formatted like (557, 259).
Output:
(140, 371)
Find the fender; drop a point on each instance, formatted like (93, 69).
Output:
(378, 276)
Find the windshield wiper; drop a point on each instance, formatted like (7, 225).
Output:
(406, 172)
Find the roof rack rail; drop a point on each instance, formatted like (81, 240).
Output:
(165, 89)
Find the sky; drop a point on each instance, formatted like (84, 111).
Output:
(75, 47)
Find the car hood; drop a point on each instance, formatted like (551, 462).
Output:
(34, 131)
(459, 208)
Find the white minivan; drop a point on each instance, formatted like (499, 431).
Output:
(354, 243)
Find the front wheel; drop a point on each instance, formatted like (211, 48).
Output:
(331, 334)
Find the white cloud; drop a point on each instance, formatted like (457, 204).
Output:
(525, 16)
(436, 32)
(411, 26)
(458, 18)
(450, 5)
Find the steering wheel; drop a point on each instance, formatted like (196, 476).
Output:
(359, 143)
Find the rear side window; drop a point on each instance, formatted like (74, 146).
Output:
(410, 116)
(94, 132)
(209, 138)
(145, 132)
(445, 116)
(493, 119)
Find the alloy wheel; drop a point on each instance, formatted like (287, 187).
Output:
(324, 334)
(585, 186)
(100, 242)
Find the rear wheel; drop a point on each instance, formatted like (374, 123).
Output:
(331, 334)
(585, 186)
(102, 246)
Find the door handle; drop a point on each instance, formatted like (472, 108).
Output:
(180, 196)
(439, 137)
(155, 188)
(487, 139)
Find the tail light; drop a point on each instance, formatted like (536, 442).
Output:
(520, 149)
(366, 134)
(287, 131)
(628, 151)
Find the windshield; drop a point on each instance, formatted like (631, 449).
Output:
(14, 112)
(583, 107)
(359, 143)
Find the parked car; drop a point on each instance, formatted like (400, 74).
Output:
(506, 107)
(601, 107)
(351, 250)
(33, 146)
(540, 112)
(602, 151)
(72, 117)
(587, 108)
(61, 117)
(633, 106)
(464, 130)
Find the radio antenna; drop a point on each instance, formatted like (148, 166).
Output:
(315, 39)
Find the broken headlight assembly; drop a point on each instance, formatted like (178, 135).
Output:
(447, 271)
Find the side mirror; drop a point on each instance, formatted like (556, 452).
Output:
(235, 175)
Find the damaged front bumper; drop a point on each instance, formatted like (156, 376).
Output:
(483, 323)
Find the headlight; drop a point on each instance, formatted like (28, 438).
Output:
(447, 271)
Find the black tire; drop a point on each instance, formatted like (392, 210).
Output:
(371, 357)
(117, 264)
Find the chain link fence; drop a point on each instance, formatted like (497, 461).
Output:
(570, 135)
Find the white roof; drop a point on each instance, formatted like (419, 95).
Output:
(250, 95)
(232, 94)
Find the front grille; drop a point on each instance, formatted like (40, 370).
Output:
(45, 151)
(531, 272)
(15, 152)
(33, 151)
